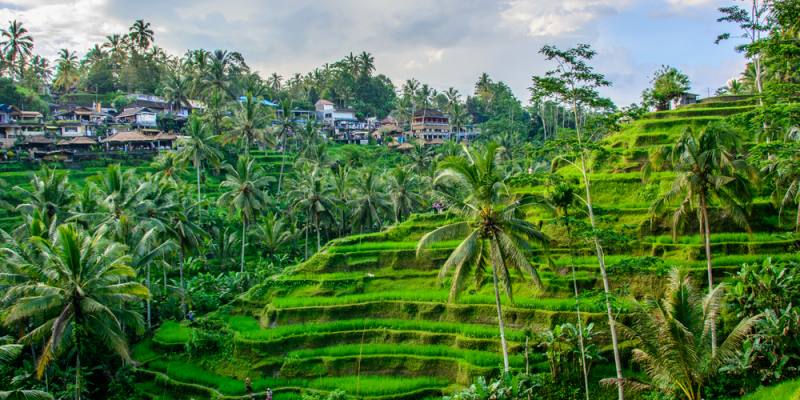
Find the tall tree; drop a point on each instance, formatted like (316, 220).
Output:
(575, 82)
(67, 73)
(753, 23)
(312, 195)
(405, 191)
(141, 34)
(671, 336)
(369, 200)
(708, 168)
(494, 234)
(198, 147)
(245, 193)
(89, 284)
(285, 126)
(17, 46)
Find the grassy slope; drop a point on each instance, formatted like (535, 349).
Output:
(372, 318)
(784, 391)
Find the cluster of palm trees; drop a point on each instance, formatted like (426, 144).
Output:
(416, 96)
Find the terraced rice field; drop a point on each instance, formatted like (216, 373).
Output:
(368, 316)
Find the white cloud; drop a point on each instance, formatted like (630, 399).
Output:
(76, 25)
(555, 18)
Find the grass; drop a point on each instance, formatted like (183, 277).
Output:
(474, 357)
(379, 246)
(365, 385)
(376, 385)
(430, 296)
(172, 332)
(784, 391)
(468, 330)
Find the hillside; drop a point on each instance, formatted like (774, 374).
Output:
(368, 316)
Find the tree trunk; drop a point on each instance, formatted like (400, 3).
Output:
(283, 161)
(797, 218)
(707, 242)
(183, 291)
(500, 319)
(601, 262)
(149, 325)
(318, 238)
(197, 169)
(581, 345)
(244, 240)
(78, 372)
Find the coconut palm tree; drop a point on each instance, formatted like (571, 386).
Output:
(284, 127)
(405, 191)
(342, 194)
(366, 63)
(672, 343)
(246, 193)
(249, 122)
(51, 195)
(17, 45)
(176, 89)
(494, 234)
(421, 158)
(312, 194)
(369, 201)
(67, 74)
(216, 76)
(187, 235)
(89, 284)
(708, 168)
(198, 147)
(562, 198)
(273, 233)
(141, 35)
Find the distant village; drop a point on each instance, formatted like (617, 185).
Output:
(74, 132)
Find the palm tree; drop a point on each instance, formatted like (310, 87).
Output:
(89, 283)
(187, 235)
(50, 195)
(369, 200)
(312, 194)
(248, 122)
(273, 233)
(405, 192)
(421, 158)
(494, 234)
(246, 193)
(67, 74)
(708, 168)
(176, 89)
(562, 198)
(198, 147)
(216, 75)
(274, 83)
(342, 193)
(285, 126)
(366, 63)
(17, 45)
(672, 343)
(141, 35)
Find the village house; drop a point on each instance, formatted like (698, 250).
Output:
(137, 117)
(685, 98)
(16, 124)
(429, 125)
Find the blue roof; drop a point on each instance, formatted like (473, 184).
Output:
(264, 102)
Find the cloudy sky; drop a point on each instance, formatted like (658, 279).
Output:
(444, 42)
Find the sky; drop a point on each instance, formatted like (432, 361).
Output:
(445, 43)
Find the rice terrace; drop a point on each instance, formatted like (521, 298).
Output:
(509, 200)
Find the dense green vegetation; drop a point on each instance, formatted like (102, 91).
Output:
(616, 253)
